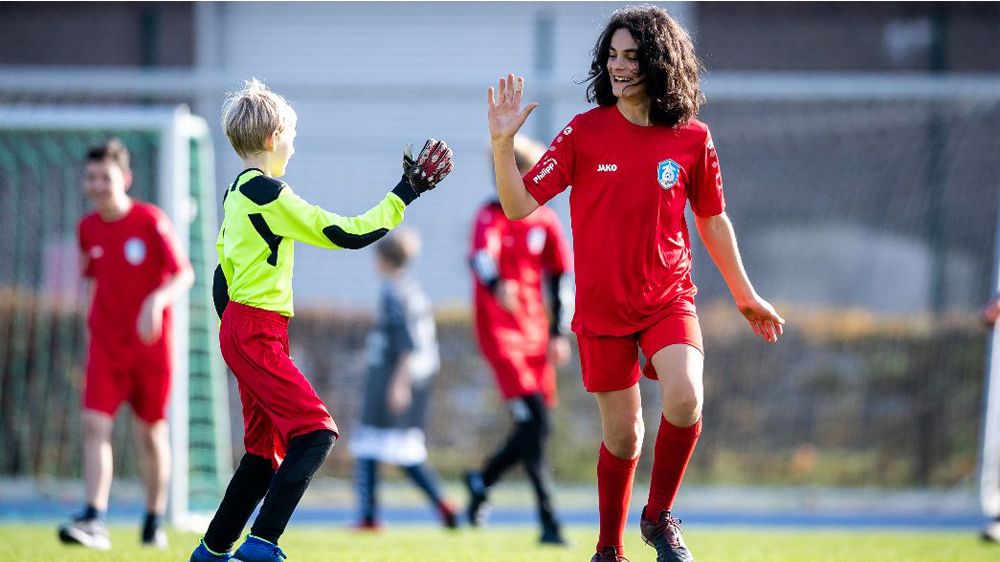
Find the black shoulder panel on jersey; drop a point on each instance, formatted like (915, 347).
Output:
(262, 189)
(270, 238)
(345, 239)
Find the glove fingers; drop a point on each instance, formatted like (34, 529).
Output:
(425, 152)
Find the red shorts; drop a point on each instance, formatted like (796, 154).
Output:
(612, 362)
(278, 401)
(139, 375)
(520, 374)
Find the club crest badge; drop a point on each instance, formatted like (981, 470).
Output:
(135, 251)
(536, 240)
(667, 173)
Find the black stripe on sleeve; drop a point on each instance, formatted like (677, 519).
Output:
(345, 239)
(270, 238)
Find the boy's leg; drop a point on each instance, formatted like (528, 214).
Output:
(533, 459)
(154, 456)
(679, 368)
(150, 393)
(365, 483)
(246, 489)
(87, 528)
(304, 456)
(98, 464)
(287, 415)
(513, 449)
(679, 371)
(621, 421)
(611, 373)
(425, 479)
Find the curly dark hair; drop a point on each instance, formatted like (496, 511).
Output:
(666, 60)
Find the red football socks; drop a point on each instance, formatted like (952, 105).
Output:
(614, 490)
(674, 446)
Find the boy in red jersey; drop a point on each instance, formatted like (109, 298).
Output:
(130, 252)
(634, 162)
(509, 259)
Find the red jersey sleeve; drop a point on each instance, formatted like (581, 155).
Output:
(86, 266)
(486, 245)
(174, 258)
(554, 171)
(556, 257)
(705, 191)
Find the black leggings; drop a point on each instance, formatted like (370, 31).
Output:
(281, 491)
(526, 444)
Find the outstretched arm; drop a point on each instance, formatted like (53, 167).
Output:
(720, 241)
(506, 118)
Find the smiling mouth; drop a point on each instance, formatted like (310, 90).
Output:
(621, 80)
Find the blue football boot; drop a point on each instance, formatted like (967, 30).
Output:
(256, 549)
(204, 554)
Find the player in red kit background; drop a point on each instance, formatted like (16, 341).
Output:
(511, 262)
(138, 270)
(634, 162)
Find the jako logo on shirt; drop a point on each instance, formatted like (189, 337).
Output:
(607, 167)
(549, 165)
(135, 251)
(667, 173)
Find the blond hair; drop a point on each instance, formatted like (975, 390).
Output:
(251, 113)
(527, 152)
(399, 247)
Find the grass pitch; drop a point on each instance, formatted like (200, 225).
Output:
(38, 543)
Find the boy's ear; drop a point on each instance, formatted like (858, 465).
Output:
(271, 141)
(128, 180)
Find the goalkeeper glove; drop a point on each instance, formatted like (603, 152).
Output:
(431, 166)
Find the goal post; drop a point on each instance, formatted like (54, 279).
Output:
(42, 151)
(989, 475)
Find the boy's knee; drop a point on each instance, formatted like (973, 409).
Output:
(684, 409)
(625, 441)
(306, 453)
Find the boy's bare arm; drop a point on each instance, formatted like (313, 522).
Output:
(717, 234)
(150, 321)
(400, 393)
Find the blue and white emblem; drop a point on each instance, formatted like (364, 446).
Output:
(135, 251)
(667, 173)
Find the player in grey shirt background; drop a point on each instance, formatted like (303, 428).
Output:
(402, 357)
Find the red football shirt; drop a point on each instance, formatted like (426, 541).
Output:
(127, 259)
(521, 251)
(630, 185)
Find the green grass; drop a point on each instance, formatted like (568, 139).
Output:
(38, 543)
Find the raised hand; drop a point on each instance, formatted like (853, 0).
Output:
(504, 111)
(763, 318)
(431, 166)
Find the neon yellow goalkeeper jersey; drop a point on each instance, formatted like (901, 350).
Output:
(264, 218)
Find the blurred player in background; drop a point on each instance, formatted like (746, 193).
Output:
(511, 261)
(634, 162)
(991, 314)
(288, 431)
(402, 362)
(138, 269)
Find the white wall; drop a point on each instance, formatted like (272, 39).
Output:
(367, 78)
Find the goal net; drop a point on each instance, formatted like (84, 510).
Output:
(42, 303)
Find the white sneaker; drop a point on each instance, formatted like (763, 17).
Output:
(91, 533)
(991, 532)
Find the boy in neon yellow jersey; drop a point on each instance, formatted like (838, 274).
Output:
(288, 431)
